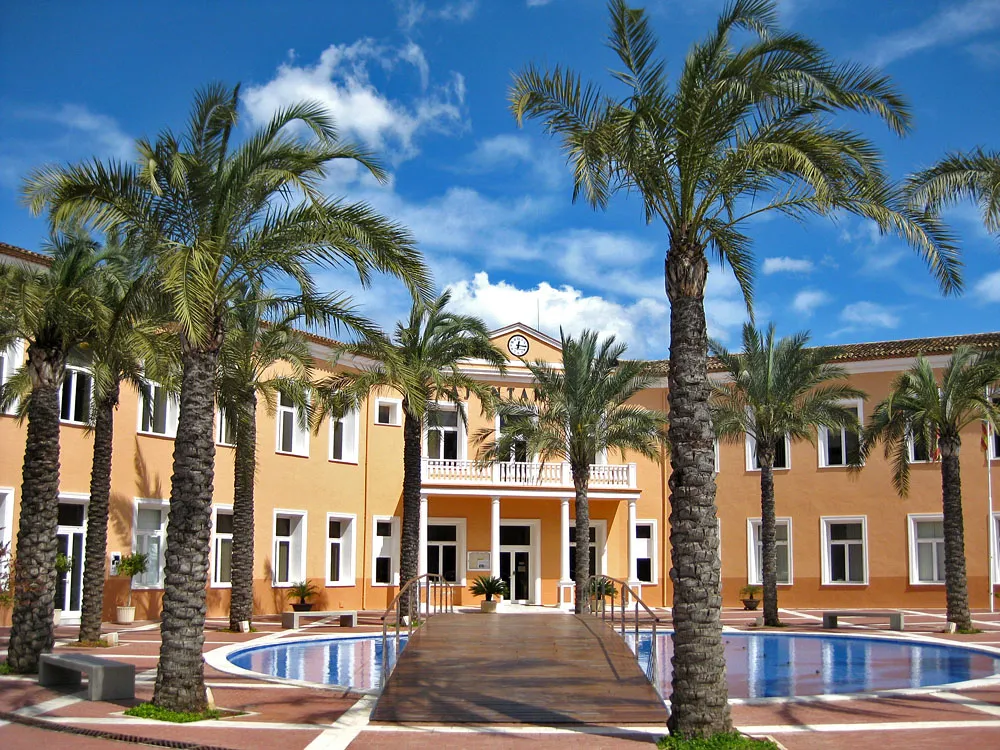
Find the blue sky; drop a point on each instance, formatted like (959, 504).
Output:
(424, 83)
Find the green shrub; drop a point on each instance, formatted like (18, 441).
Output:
(150, 711)
(730, 741)
(488, 586)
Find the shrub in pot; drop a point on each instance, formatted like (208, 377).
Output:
(64, 565)
(601, 588)
(303, 590)
(749, 596)
(488, 586)
(131, 566)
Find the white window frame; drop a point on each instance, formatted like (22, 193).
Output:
(300, 435)
(824, 527)
(912, 519)
(396, 415)
(653, 548)
(71, 377)
(377, 545)
(172, 416)
(823, 436)
(352, 428)
(751, 451)
(347, 546)
(461, 551)
(295, 574)
(496, 436)
(911, 447)
(600, 526)
(996, 548)
(7, 520)
(164, 507)
(13, 359)
(216, 538)
(717, 453)
(462, 451)
(754, 565)
(220, 429)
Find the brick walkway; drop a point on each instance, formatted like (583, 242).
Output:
(292, 717)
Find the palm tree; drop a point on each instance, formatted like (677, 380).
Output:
(749, 127)
(130, 344)
(778, 389)
(52, 309)
(581, 412)
(922, 410)
(261, 334)
(422, 362)
(214, 218)
(958, 177)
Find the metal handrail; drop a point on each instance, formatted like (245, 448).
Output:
(438, 598)
(624, 591)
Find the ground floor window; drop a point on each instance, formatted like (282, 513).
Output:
(595, 557)
(385, 551)
(644, 551)
(289, 547)
(150, 538)
(926, 549)
(783, 548)
(222, 547)
(339, 549)
(844, 556)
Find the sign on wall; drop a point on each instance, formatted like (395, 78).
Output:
(479, 561)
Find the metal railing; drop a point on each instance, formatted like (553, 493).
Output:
(437, 598)
(603, 591)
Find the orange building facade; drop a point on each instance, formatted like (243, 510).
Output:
(328, 503)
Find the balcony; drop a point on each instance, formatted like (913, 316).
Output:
(514, 474)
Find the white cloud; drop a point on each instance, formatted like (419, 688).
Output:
(786, 264)
(868, 315)
(411, 13)
(949, 25)
(988, 288)
(538, 3)
(340, 81)
(509, 152)
(808, 300)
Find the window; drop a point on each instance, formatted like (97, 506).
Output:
(389, 411)
(339, 549)
(840, 447)
(385, 551)
(594, 568)
(644, 551)
(225, 433)
(344, 438)
(519, 450)
(715, 450)
(783, 548)
(6, 523)
(926, 549)
(844, 559)
(446, 548)
(443, 432)
(994, 438)
(10, 361)
(289, 547)
(150, 537)
(75, 395)
(918, 448)
(158, 411)
(222, 547)
(293, 432)
(782, 456)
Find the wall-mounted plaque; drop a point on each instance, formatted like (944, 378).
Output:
(479, 561)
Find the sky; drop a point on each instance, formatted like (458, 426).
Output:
(424, 83)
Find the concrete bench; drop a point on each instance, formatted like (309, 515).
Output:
(107, 680)
(348, 618)
(895, 618)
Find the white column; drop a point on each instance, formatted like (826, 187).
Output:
(564, 579)
(422, 564)
(633, 577)
(495, 537)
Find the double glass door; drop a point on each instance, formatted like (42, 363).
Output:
(69, 542)
(515, 570)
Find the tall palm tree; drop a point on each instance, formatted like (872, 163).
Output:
(422, 362)
(215, 217)
(922, 409)
(961, 176)
(582, 411)
(750, 126)
(130, 344)
(53, 310)
(778, 389)
(261, 335)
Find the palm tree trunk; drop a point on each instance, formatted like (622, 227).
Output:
(955, 581)
(97, 516)
(180, 674)
(581, 478)
(699, 698)
(409, 547)
(31, 630)
(768, 549)
(241, 601)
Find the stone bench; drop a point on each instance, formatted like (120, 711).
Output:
(895, 618)
(348, 618)
(107, 680)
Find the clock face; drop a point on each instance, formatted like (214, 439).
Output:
(517, 345)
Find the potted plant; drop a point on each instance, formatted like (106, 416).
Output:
(63, 566)
(749, 595)
(488, 586)
(600, 588)
(303, 590)
(131, 566)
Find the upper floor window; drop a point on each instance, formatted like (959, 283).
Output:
(918, 448)
(782, 454)
(225, 424)
(158, 411)
(75, 396)
(10, 361)
(443, 432)
(293, 432)
(344, 437)
(782, 546)
(840, 446)
(519, 449)
(389, 411)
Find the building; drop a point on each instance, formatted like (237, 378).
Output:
(329, 503)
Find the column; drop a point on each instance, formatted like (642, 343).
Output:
(495, 537)
(422, 560)
(633, 578)
(564, 572)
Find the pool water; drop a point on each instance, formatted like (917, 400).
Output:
(759, 665)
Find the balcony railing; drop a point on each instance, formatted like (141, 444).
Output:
(522, 474)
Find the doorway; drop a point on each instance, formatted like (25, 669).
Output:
(519, 566)
(69, 542)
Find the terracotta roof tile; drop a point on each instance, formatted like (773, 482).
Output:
(21, 254)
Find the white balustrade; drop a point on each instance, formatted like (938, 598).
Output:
(551, 474)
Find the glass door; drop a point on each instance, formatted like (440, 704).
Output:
(515, 570)
(69, 542)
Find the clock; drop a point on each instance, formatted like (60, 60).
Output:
(517, 345)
